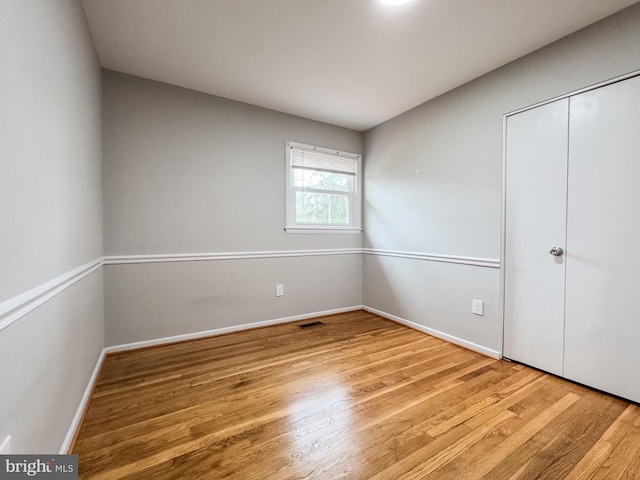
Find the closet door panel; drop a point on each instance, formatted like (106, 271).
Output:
(602, 331)
(536, 183)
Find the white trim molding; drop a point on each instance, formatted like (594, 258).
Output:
(196, 257)
(82, 406)
(225, 330)
(437, 333)
(436, 257)
(17, 307)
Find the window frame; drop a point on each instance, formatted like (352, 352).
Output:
(355, 196)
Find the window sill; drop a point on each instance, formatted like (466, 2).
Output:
(323, 230)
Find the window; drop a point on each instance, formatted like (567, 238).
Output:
(323, 190)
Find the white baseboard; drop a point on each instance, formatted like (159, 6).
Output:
(221, 331)
(84, 401)
(437, 333)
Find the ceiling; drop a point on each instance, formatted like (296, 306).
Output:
(353, 63)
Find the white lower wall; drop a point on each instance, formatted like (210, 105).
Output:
(47, 358)
(436, 295)
(148, 301)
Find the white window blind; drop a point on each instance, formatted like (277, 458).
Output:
(322, 162)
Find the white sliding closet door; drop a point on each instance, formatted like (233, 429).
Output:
(536, 186)
(602, 333)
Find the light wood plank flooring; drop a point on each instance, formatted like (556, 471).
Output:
(360, 397)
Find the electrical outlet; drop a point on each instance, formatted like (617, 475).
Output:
(5, 448)
(279, 290)
(477, 307)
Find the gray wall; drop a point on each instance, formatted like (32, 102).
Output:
(186, 172)
(51, 216)
(433, 179)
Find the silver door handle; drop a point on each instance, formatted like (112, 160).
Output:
(556, 251)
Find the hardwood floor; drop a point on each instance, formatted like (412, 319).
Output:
(359, 397)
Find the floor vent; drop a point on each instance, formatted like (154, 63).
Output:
(312, 324)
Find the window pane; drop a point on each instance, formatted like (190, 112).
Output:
(326, 208)
(322, 180)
